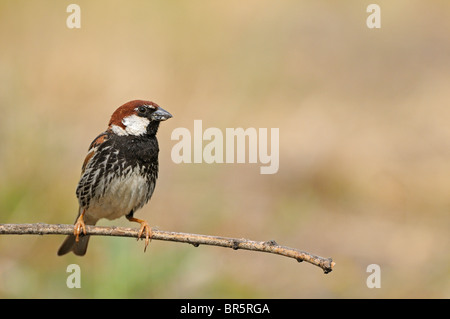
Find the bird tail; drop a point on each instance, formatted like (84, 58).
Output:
(78, 248)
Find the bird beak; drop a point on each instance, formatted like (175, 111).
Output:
(160, 115)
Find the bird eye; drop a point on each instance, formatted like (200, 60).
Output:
(142, 109)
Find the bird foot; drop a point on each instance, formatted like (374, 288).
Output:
(79, 227)
(145, 229)
(148, 233)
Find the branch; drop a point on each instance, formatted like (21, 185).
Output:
(235, 243)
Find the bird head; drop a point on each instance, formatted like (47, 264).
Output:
(137, 118)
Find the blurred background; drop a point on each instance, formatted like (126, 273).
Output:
(363, 115)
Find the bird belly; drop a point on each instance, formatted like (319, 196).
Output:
(121, 196)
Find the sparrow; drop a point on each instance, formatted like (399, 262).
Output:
(119, 173)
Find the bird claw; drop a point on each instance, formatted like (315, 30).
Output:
(148, 233)
(78, 228)
(144, 228)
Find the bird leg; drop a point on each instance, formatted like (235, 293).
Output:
(79, 226)
(144, 228)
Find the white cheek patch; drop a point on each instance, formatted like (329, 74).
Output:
(135, 125)
(118, 130)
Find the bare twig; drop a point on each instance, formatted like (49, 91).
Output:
(235, 243)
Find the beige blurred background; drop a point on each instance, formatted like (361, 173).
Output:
(363, 115)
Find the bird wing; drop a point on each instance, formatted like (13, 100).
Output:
(99, 140)
(92, 169)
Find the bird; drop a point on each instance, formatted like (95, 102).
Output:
(119, 172)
